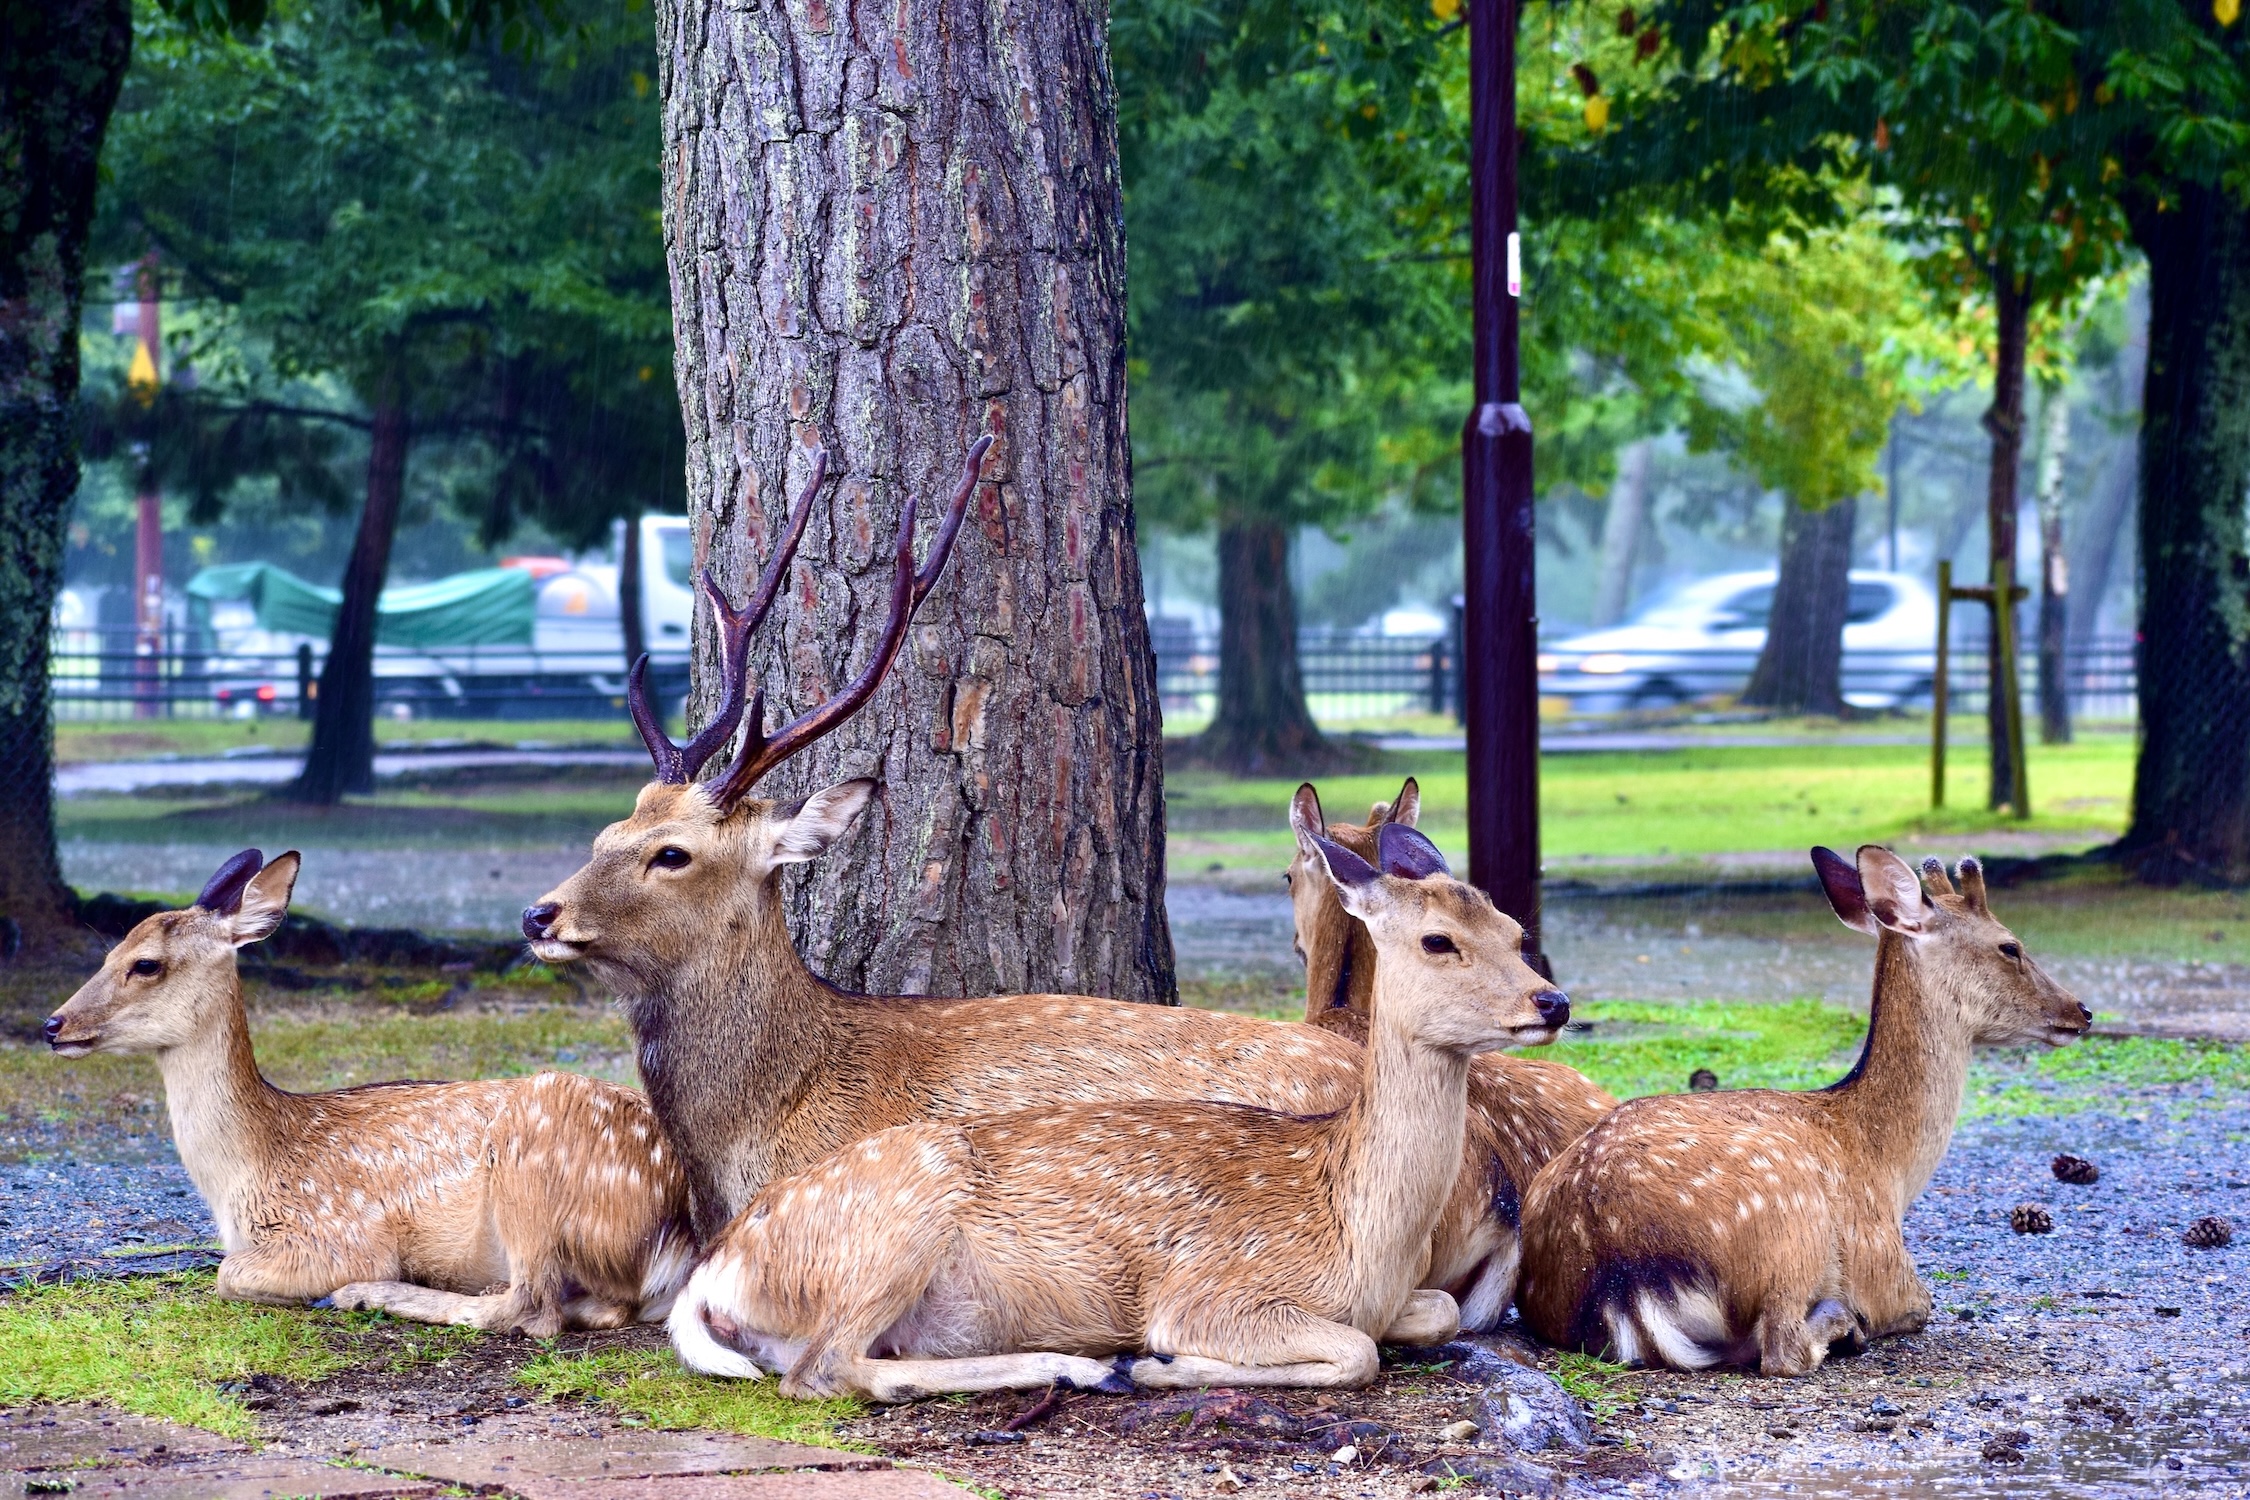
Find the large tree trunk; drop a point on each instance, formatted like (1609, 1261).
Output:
(1621, 534)
(891, 230)
(61, 62)
(2191, 790)
(2004, 421)
(342, 757)
(1263, 727)
(2054, 569)
(1801, 669)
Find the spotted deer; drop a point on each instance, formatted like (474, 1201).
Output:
(1235, 1246)
(760, 1069)
(1760, 1227)
(529, 1203)
(1521, 1110)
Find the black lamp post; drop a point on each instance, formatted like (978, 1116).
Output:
(1500, 655)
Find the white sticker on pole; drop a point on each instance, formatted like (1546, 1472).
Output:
(1515, 264)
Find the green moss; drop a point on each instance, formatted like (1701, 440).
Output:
(1645, 1048)
(1594, 1381)
(2108, 1073)
(156, 1346)
(652, 1385)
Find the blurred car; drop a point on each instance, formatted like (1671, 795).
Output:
(1702, 639)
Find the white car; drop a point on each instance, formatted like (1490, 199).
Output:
(1702, 639)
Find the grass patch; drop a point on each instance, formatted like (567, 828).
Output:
(1683, 803)
(2112, 1073)
(156, 1346)
(1270, 999)
(1593, 1381)
(82, 740)
(1638, 1048)
(652, 1385)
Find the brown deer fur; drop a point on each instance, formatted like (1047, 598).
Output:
(529, 1203)
(1761, 1227)
(1521, 1110)
(759, 1069)
(1236, 1246)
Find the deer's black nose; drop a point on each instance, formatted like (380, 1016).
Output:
(2085, 1016)
(537, 918)
(53, 1028)
(1554, 1006)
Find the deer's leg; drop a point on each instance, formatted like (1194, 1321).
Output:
(1429, 1317)
(425, 1304)
(1796, 1343)
(1263, 1346)
(297, 1270)
(1880, 1281)
(895, 1380)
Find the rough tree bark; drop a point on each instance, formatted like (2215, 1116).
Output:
(1801, 669)
(61, 62)
(1621, 533)
(2191, 788)
(2054, 569)
(891, 230)
(342, 757)
(2004, 422)
(1262, 727)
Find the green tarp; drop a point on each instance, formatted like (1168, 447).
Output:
(490, 607)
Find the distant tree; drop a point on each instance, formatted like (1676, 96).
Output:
(465, 240)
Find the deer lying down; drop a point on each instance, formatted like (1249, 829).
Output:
(1236, 1246)
(1760, 1227)
(555, 1192)
(759, 1069)
(1521, 1110)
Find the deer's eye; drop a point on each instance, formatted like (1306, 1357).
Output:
(671, 857)
(1437, 942)
(2011, 950)
(147, 968)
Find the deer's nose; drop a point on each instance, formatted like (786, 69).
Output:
(537, 919)
(2085, 1016)
(53, 1028)
(1554, 1006)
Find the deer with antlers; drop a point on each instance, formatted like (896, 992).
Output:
(759, 1069)
(1235, 1246)
(526, 1203)
(1521, 1110)
(1760, 1227)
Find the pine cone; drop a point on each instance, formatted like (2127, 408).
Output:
(2076, 1170)
(1702, 1081)
(2209, 1233)
(2030, 1218)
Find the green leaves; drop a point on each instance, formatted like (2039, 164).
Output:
(520, 26)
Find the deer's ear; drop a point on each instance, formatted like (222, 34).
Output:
(1407, 808)
(1358, 886)
(806, 830)
(1305, 819)
(265, 900)
(1839, 877)
(1407, 853)
(1894, 895)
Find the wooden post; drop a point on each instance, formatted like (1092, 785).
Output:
(2004, 623)
(1938, 683)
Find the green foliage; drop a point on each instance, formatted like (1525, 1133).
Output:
(154, 1346)
(653, 1386)
(1638, 1048)
(1594, 1381)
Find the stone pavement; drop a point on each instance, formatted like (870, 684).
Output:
(87, 1451)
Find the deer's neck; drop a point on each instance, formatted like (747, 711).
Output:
(729, 1048)
(1398, 1152)
(228, 1124)
(1900, 1101)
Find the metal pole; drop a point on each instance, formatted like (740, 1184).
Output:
(1938, 682)
(1500, 648)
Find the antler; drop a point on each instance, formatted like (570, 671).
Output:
(677, 765)
(760, 751)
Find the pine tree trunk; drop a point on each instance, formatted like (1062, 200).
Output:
(2191, 790)
(2054, 570)
(2004, 422)
(890, 231)
(342, 757)
(1801, 669)
(61, 63)
(1263, 727)
(1621, 534)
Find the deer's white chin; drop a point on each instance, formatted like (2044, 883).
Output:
(73, 1049)
(556, 951)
